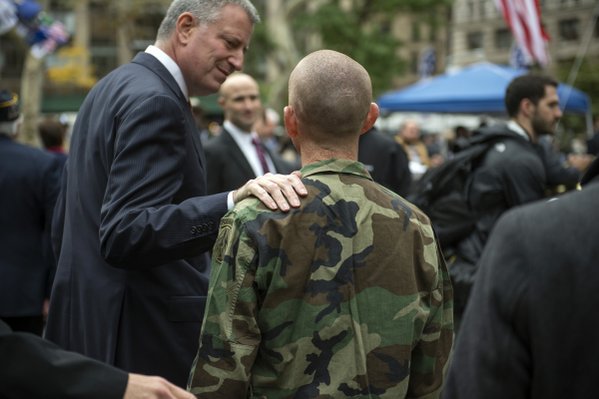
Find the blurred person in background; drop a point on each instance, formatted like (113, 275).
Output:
(238, 154)
(29, 184)
(409, 136)
(385, 160)
(266, 126)
(53, 134)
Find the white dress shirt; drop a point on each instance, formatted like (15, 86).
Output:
(244, 141)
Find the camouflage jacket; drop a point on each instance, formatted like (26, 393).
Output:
(346, 296)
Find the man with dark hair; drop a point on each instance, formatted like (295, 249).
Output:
(511, 173)
(53, 133)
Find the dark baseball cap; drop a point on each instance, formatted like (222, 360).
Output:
(9, 106)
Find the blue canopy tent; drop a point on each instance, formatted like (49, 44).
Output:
(475, 89)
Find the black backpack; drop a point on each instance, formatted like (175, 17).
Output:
(441, 191)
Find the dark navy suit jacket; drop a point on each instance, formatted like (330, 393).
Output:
(228, 168)
(29, 180)
(133, 227)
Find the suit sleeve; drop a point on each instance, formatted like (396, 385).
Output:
(491, 359)
(32, 367)
(143, 223)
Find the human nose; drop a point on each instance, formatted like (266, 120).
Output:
(236, 60)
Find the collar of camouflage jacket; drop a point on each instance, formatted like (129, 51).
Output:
(336, 166)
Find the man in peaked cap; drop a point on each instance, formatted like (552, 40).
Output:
(29, 185)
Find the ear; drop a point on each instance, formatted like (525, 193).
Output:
(185, 24)
(526, 107)
(371, 117)
(290, 120)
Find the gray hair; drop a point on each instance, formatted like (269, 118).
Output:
(11, 128)
(205, 11)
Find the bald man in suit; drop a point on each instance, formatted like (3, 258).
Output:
(237, 154)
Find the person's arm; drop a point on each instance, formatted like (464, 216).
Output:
(230, 336)
(32, 367)
(430, 355)
(143, 224)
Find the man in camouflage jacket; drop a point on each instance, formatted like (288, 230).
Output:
(346, 296)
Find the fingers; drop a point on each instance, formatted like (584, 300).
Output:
(150, 387)
(179, 393)
(275, 191)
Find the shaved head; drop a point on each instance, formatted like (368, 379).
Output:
(240, 100)
(234, 82)
(330, 94)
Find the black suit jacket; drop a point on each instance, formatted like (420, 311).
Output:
(228, 168)
(386, 161)
(133, 227)
(29, 180)
(32, 367)
(530, 326)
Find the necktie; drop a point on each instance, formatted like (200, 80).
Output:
(260, 151)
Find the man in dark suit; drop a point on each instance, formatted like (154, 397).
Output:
(34, 368)
(530, 324)
(386, 161)
(237, 154)
(133, 222)
(29, 181)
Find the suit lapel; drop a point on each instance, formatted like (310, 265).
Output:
(237, 156)
(152, 63)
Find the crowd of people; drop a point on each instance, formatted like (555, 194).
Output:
(152, 261)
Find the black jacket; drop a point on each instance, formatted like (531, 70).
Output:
(29, 183)
(530, 325)
(386, 161)
(511, 174)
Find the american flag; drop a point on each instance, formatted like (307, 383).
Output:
(8, 16)
(524, 19)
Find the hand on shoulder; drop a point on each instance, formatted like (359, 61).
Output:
(276, 191)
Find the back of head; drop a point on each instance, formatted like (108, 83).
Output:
(52, 133)
(529, 86)
(205, 11)
(9, 112)
(409, 131)
(331, 95)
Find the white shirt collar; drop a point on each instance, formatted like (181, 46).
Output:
(244, 142)
(516, 128)
(171, 66)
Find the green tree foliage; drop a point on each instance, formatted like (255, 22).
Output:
(361, 37)
(359, 28)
